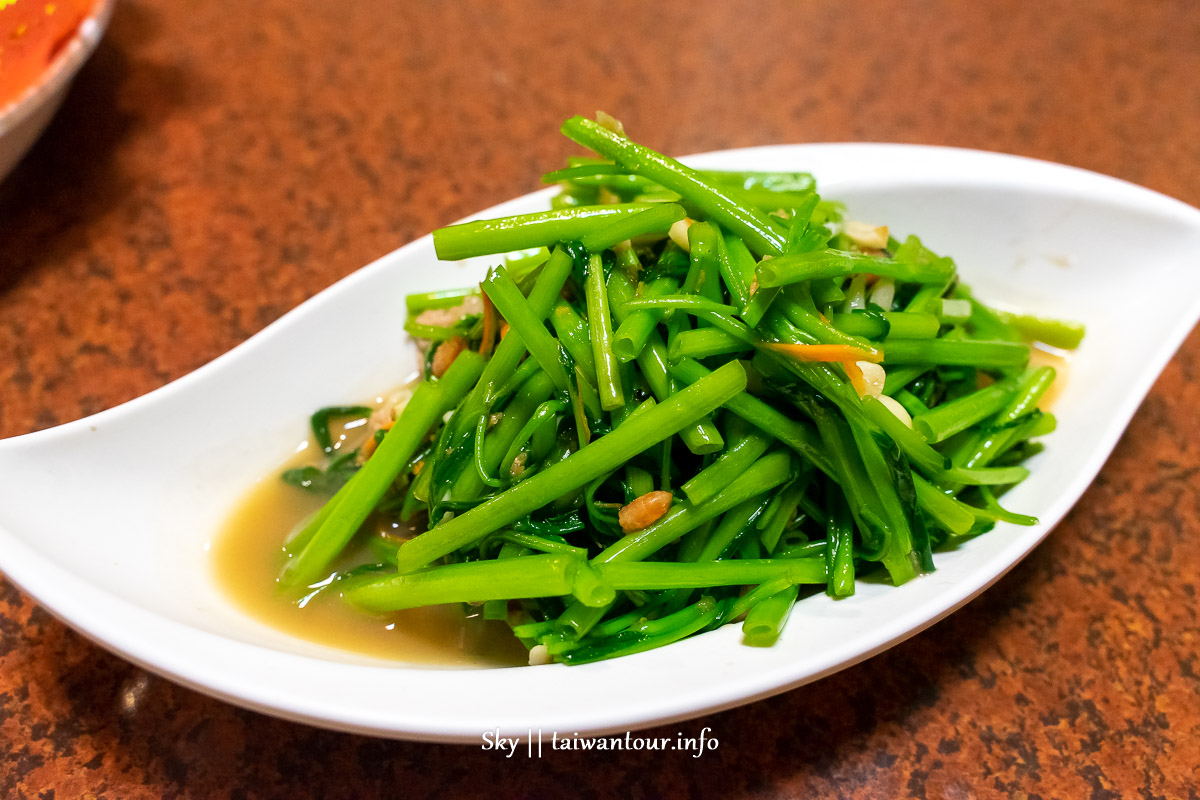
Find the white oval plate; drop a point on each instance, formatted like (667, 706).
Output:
(105, 521)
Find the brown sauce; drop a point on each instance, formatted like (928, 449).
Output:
(248, 554)
(1043, 356)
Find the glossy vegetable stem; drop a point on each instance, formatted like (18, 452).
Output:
(601, 456)
(349, 508)
(751, 224)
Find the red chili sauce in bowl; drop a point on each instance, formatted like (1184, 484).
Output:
(32, 35)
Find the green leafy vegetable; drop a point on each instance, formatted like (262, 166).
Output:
(712, 395)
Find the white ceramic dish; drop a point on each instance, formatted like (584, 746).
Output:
(106, 520)
(23, 120)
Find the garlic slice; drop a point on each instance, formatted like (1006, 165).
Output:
(866, 235)
(894, 406)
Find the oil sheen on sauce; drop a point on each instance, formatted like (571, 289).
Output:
(248, 554)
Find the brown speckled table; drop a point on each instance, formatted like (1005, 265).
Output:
(217, 163)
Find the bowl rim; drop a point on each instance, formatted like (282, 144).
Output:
(61, 69)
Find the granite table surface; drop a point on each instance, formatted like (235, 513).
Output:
(217, 163)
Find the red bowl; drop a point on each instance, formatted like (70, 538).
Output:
(47, 44)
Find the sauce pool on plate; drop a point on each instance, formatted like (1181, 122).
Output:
(1044, 356)
(248, 554)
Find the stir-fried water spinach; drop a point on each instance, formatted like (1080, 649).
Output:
(680, 398)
